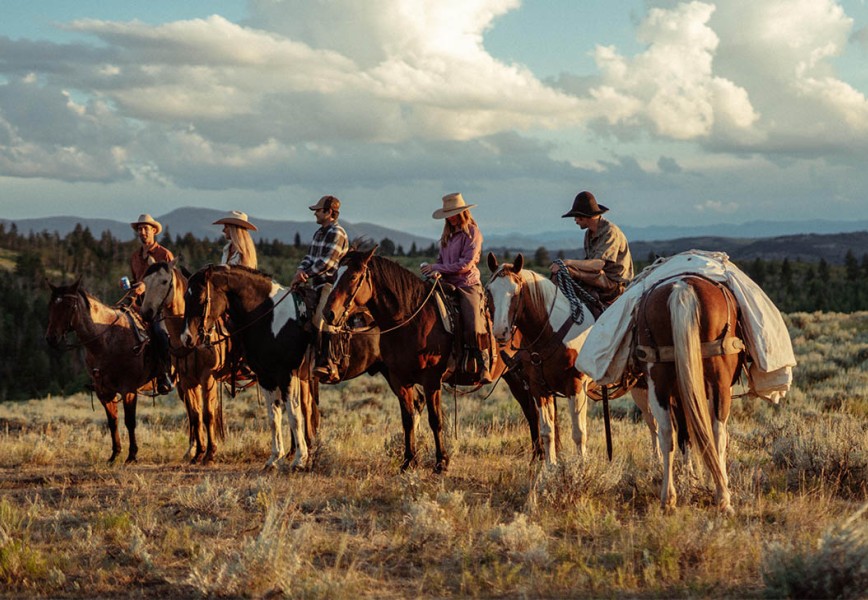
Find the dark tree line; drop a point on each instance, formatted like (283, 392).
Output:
(29, 369)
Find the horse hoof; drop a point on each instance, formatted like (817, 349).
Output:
(131, 461)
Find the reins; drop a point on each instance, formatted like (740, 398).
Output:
(69, 326)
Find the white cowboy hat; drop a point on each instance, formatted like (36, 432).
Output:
(237, 218)
(453, 204)
(146, 219)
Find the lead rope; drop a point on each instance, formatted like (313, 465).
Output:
(572, 292)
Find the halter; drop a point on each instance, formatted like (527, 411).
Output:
(512, 325)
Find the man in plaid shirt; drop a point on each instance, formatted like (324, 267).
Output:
(319, 269)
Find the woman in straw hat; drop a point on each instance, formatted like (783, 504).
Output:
(460, 249)
(239, 248)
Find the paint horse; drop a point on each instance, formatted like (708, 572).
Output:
(687, 347)
(110, 343)
(163, 299)
(269, 325)
(527, 303)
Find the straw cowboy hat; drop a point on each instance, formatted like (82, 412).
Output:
(453, 204)
(237, 218)
(146, 219)
(585, 205)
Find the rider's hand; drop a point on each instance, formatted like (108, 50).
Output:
(300, 277)
(138, 289)
(555, 267)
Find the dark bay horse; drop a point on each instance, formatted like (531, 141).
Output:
(109, 340)
(414, 343)
(691, 356)
(163, 299)
(269, 325)
(527, 303)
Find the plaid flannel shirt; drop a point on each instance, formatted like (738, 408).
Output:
(328, 247)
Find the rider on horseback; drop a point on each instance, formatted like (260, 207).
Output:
(147, 228)
(460, 248)
(608, 266)
(319, 268)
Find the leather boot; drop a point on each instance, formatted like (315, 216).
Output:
(325, 370)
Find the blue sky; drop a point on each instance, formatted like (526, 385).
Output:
(684, 113)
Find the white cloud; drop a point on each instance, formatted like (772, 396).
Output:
(718, 207)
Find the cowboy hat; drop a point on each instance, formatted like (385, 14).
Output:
(327, 203)
(237, 218)
(146, 219)
(585, 205)
(453, 204)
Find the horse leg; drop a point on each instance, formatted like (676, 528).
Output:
(528, 407)
(668, 497)
(578, 402)
(435, 421)
(111, 415)
(210, 405)
(722, 398)
(409, 420)
(298, 395)
(130, 422)
(193, 400)
(640, 397)
(547, 426)
(275, 418)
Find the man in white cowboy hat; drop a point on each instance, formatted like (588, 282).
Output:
(147, 229)
(319, 269)
(460, 249)
(608, 266)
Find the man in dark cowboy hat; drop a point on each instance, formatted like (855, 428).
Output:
(147, 229)
(608, 266)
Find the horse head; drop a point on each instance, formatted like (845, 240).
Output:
(204, 303)
(352, 286)
(62, 311)
(504, 289)
(159, 293)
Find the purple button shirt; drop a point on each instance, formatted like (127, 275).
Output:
(457, 260)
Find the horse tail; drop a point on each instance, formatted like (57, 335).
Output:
(684, 311)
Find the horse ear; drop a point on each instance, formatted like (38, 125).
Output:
(51, 285)
(518, 264)
(367, 255)
(174, 262)
(75, 285)
(492, 262)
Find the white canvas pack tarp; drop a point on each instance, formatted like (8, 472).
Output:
(606, 350)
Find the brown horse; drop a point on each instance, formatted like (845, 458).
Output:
(164, 299)
(686, 346)
(109, 340)
(526, 303)
(415, 345)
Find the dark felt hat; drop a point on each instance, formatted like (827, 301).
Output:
(585, 205)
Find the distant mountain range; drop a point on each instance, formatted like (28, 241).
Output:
(769, 240)
(198, 221)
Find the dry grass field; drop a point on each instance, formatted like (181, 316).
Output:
(494, 526)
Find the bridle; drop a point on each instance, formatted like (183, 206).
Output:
(351, 298)
(520, 303)
(76, 299)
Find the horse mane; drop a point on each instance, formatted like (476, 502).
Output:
(408, 289)
(541, 293)
(252, 271)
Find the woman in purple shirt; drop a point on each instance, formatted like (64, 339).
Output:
(460, 249)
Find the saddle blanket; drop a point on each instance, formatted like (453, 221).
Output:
(606, 351)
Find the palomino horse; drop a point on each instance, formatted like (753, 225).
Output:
(165, 286)
(687, 347)
(269, 324)
(533, 306)
(108, 337)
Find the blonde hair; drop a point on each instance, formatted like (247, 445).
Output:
(465, 220)
(242, 243)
